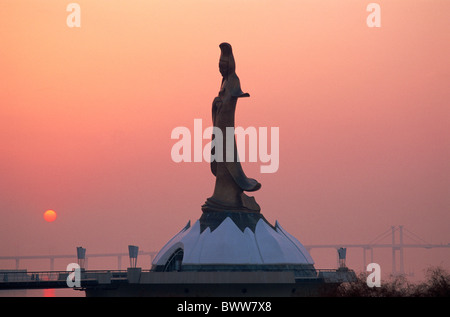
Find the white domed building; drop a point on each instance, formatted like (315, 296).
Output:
(234, 241)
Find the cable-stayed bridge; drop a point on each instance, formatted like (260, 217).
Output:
(397, 244)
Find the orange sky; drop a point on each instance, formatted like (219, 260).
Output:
(86, 115)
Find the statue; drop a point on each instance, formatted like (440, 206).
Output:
(231, 181)
(232, 235)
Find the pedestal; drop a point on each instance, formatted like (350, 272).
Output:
(234, 241)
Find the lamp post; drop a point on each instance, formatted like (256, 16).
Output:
(342, 253)
(81, 256)
(133, 252)
(133, 272)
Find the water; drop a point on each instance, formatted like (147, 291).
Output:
(51, 292)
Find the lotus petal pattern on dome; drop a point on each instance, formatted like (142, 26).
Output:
(228, 245)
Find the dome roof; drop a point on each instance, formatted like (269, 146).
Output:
(227, 244)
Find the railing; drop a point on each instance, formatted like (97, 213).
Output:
(58, 279)
(24, 276)
(44, 276)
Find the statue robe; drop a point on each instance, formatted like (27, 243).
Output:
(231, 180)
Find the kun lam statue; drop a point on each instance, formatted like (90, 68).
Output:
(231, 181)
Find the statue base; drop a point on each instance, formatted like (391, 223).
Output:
(246, 204)
(242, 219)
(233, 240)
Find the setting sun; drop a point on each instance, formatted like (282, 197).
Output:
(50, 215)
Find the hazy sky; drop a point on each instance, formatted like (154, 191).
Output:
(86, 116)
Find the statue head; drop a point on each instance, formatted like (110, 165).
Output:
(227, 64)
(227, 68)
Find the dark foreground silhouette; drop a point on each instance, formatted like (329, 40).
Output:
(436, 284)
